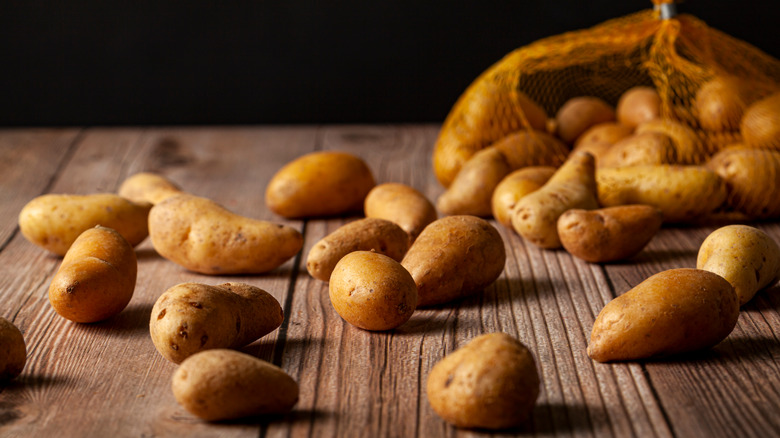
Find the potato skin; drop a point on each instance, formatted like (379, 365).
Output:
(760, 124)
(454, 257)
(367, 234)
(192, 317)
(608, 234)
(638, 105)
(54, 221)
(721, 102)
(688, 147)
(325, 183)
(221, 384)
(674, 311)
(490, 383)
(13, 351)
(400, 204)
(148, 187)
(372, 291)
(749, 175)
(578, 114)
(472, 188)
(745, 256)
(202, 236)
(647, 148)
(606, 132)
(513, 187)
(96, 279)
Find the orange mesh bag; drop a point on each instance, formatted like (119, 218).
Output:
(715, 91)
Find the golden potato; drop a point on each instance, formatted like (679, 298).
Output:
(473, 187)
(578, 114)
(454, 257)
(368, 234)
(532, 148)
(638, 105)
(53, 222)
(608, 234)
(760, 124)
(372, 291)
(688, 146)
(720, 103)
(96, 279)
(490, 383)
(148, 187)
(640, 149)
(513, 187)
(400, 204)
(325, 183)
(745, 256)
(202, 236)
(13, 351)
(752, 178)
(606, 132)
(192, 317)
(674, 311)
(221, 384)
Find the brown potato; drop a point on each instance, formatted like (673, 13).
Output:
(96, 279)
(513, 187)
(473, 187)
(606, 132)
(720, 103)
(220, 384)
(148, 187)
(53, 222)
(192, 317)
(751, 175)
(608, 234)
(372, 291)
(454, 257)
(368, 234)
(689, 149)
(317, 184)
(490, 383)
(578, 114)
(745, 256)
(760, 124)
(532, 148)
(640, 149)
(638, 105)
(13, 351)
(675, 311)
(400, 204)
(202, 236)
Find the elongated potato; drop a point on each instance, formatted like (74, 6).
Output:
(400, 204)
(674, 311)
(325, 183)
(638, 105)
(473, 187)
(580, 113)
(96, 279)
(192, 317)
(220, 384)
(13, 351)
(148, 187)
(368, 234)
(752, 178)
(513, 187)
(53, 222)
(454, 257)
(204, 237)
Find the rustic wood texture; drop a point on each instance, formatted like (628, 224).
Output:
(107, 379)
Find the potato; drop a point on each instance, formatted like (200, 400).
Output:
(368, 234)
(573, 185)
(513, 187)
(13, 351)
(53, 222)
(608, 234)
(372, 291)
(454, 257)
(688, 147)
(202, 236)
(682, 193)
(490, 383)
(192, 317)
(148, 187)
(325, 183)
(639, 149)
(96, 279)
(638, 105)
(578, 114)
(760, 124)
(532, 148)
(745, 256)
(606, 132)
(751, 175)
(674, 311)
(221, 384)
(720, 103)
(400, 204)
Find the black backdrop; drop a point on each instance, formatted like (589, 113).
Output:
(184, 62)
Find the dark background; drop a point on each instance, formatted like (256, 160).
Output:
(256, 62)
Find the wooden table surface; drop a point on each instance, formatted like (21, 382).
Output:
(107, 379)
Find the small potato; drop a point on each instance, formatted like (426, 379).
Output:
(13, 351)
(721, 102)
(454, 257)
(96, 279)
(53, 222)
(639, 149)
(607, 132)
(638, 105)
(490, 383)
(745, 256)
(532, 148)
(473, 187)
(688, 147)
(513, 187)
(219, 384)
(372, 291)
(202, 236)
(400, 204)
(752, 177)
(317, 184)
(578, 114)
(191, 317)
(682, 193)
(148, 187)
(674, 311)
(608, 234)
(760, 125)
(368, 234)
